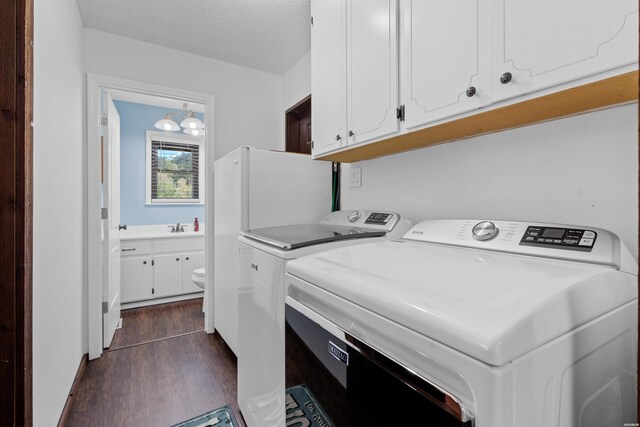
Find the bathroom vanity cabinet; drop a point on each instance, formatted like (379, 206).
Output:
(160, 268)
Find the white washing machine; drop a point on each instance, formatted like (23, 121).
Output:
(263, 254)
(468, 323)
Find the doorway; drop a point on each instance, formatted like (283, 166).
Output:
(298, 127)
(132, 261)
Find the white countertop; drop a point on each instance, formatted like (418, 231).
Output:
(162, 231)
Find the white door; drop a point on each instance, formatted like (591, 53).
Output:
(328, 78)
(446, 58)
(111, 240)
(545, 43)
(372, 69)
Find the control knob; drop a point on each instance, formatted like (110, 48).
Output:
(353, 216)
(485, 230)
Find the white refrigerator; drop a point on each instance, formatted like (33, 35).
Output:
(256, 188)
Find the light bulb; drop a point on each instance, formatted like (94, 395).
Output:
(195, 132)
(167, 126)
(192, 125)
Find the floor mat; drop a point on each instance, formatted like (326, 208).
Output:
(303, 409)
(221, 417)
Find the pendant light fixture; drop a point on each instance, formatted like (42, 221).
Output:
(194, 132)
(190, 123)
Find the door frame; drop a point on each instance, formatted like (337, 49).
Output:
(16, 193)
(95, 83)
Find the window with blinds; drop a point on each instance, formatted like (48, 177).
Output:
(175, 171)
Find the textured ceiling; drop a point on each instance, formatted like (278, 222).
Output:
(269, 35)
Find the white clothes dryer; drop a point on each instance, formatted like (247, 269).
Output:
(263, 254)
(468, 323)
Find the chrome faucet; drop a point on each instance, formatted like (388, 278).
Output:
(177, 228)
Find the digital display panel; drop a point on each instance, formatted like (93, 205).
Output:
(553, 233)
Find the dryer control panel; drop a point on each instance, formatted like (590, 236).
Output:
(390, 222)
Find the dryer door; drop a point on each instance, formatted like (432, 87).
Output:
(334, 377)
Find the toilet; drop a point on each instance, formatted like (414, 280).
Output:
(198, 278)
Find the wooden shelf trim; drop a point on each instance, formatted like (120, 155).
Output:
(605, 93)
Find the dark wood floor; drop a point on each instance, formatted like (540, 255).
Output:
(159, 383)
(144, 324)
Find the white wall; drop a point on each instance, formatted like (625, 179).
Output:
(248, 102)
(581, 170)
(297, 82)
(59, 296)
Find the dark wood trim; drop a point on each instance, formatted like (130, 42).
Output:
(16, 106)
(298, 104)
(618, 90)
(66, 410)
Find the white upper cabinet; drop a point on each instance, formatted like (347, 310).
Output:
(541, 43)
(445, 58)
(372, 69)
(328, 75)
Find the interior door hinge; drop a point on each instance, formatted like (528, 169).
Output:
(312, 145)
(104, 213)
(104, 120)
(153, 291)
(400, 113)
(312, 20)
(105, 307)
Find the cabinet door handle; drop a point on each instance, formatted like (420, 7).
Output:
(506, 78)
(187, 258)
(127, 250)
(177, 259)
(144, 262)
(338, 137)
(351, 133)
(254, 266)
(122, 227)
(471, 90)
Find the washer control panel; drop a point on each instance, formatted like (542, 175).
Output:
(485, 230)
(378, 218)
(557, 241)
(561, 238)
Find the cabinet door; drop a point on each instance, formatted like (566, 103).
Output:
(136, 278)
(191, 262)
(328, 75)
(446, 58)
(545, 43)
(167, 275)
(372, 69)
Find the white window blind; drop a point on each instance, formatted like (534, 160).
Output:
(175, 171)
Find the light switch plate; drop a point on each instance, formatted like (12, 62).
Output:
(356, 177)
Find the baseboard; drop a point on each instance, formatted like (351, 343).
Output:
(164, 300)
(67, 405)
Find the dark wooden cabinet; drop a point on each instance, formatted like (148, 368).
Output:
(298, 124)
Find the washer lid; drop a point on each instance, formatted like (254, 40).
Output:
(300, 235)
(489, 305)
